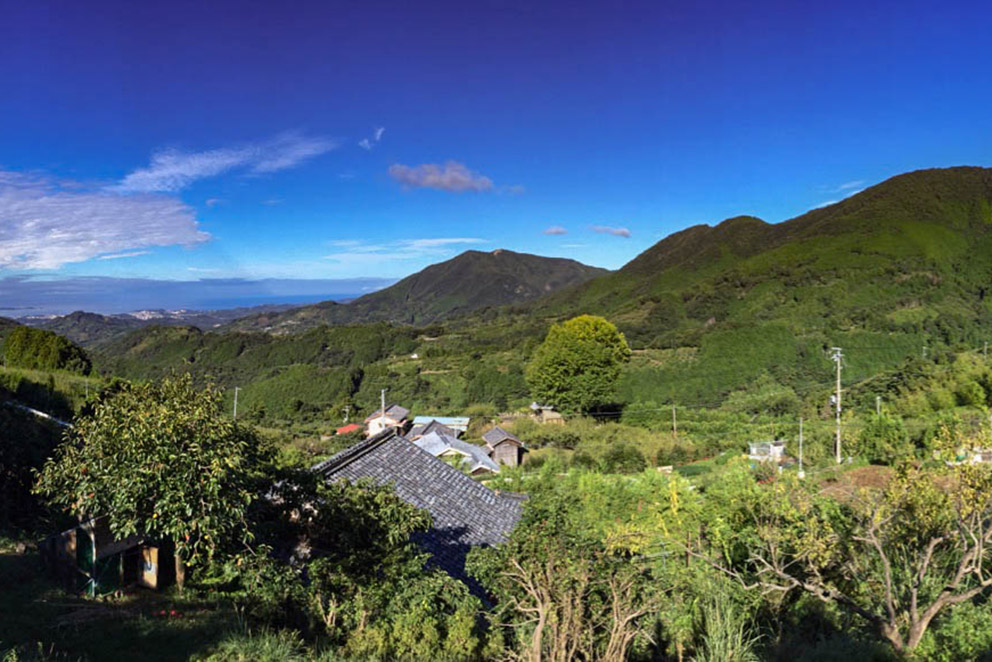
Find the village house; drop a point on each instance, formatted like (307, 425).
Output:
(766, 451)
(395, 416)
(423, 429)
(464, 512)
(504, 447)
(456, 425)
(470, 458)
(546, 414)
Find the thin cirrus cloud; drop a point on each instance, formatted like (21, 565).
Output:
(172, 170)
(847, 189)
(373, 140)
(353, 250)
(847, 186)
(555, 230)
(451, 176)
(607, 229)
(46, 223)
(119, 256)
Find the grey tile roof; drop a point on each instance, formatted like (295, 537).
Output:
(394, 412)
(498, 435)
(436, 444)
(465, 513)
(457, 423)
(424, 429)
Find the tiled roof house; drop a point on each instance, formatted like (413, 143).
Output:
(504, 447)
(465, 513)
(457, 423)
(474, 459)
(395, 416)
(423, 429)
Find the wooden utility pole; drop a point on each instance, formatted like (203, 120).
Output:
(675, 424)
(838, 354)
(382, 412)
(236, 389)
(802, 474)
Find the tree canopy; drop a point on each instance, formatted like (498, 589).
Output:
(160, 459)
(36, 349)
(577, 366)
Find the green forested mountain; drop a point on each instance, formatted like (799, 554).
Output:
(911, 254)
(713, 313)
(468, 282)
(89, 329)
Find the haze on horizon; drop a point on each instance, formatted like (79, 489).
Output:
(153, 152)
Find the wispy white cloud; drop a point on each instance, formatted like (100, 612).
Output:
(272, 202)
(846, 190)
(353, 250)
(373, 140)
(213, 202)
(573, 245)
(607, 229)
(172, 170)
(555, 230)
(118, 256)
(452, 176)
(46, 223)
(847, 186)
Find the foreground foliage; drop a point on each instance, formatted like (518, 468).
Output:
(163, 460)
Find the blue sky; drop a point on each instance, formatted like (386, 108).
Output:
(337, 140)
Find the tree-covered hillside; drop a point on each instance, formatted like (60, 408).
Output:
(35, 349)
(890, 274)
(470, 281)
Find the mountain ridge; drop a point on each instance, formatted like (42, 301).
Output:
(465, 283)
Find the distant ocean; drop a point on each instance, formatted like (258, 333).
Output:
(267, 300)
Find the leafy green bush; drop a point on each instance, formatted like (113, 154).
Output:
(623, 458)
(884, 440)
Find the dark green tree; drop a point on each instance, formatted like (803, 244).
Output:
(884, 440)
(577, 366)
(164, 460)
(36, 349)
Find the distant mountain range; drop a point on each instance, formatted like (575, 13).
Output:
(902, 266)
(469, 282)
(92, 329)
(466, 283)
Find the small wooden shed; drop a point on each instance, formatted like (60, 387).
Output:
(504, 448)
(89, 559)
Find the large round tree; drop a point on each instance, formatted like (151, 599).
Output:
(577, 366)
(161, 460)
